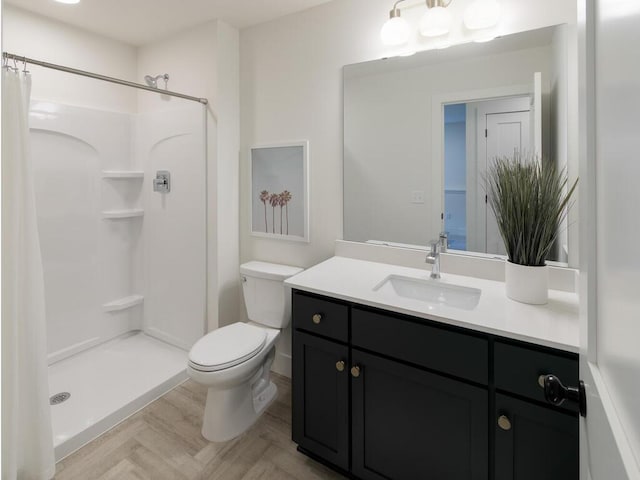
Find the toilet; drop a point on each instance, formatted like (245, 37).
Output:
(234, 361)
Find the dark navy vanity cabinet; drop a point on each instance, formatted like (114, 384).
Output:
(378, 395)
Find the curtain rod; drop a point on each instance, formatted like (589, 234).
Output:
(27, 60)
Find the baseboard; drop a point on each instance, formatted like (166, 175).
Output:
(282, 364)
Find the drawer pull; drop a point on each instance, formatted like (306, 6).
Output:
(355, 371)
(541, 380)
(340, 366)
(316, 318)
(504, 423)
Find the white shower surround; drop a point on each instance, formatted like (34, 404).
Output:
(124, 266)
(108, 274)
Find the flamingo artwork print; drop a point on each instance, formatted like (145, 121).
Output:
(279, 192)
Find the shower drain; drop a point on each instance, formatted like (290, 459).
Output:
(59, 398)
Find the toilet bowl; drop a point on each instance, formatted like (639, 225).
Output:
(234, 361)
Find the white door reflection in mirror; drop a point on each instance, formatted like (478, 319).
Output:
(475, 134)
(507, 133)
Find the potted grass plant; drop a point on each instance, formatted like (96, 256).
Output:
(530, 199)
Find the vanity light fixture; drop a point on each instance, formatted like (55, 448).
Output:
(436, 21)
(396, 30)
(481, 17)
(68, 2)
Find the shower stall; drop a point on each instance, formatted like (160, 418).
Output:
(121, 209)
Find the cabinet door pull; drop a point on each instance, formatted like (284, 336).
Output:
(541, 381)
(504, 423)
(340, 365)
(355, 371)
(316, 318)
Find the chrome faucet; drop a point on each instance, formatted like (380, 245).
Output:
(434, 258)
(437, 247)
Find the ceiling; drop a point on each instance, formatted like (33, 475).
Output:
(138, 22)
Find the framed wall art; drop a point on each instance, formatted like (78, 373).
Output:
(280, 191)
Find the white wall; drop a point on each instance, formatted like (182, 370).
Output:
(291, 89)
(30, 35)
(203, 62)
(617, 100)
(227, 107)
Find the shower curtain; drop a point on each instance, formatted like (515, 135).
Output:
(27, 439)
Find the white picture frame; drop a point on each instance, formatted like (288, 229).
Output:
(279, 191)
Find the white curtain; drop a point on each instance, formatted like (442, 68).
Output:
(27, 440)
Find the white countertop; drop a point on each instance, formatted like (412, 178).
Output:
(553, 325)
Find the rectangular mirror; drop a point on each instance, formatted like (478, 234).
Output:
(420, 132)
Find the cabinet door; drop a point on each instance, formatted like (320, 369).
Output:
(321, 398)
(410, 424)
(534, 442)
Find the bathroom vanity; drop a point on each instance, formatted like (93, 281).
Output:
(386, 386)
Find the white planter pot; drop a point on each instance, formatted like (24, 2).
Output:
(527, 284)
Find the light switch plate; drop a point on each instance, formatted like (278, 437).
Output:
(417, 196)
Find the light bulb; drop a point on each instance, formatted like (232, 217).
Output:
(68, 2)
(395, 31)
(482, 14)
(435, 22)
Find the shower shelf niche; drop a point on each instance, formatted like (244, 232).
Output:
(129, 213)
(123, 303)
(122, 174)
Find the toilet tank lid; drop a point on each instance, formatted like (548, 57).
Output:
(272, 271)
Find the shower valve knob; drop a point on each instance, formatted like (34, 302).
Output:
(162, 182)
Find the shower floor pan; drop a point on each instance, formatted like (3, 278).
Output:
(107, 384)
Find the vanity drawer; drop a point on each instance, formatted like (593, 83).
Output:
(518, 368)
(318, 315)
(433, 347)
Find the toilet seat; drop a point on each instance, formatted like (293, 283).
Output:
(226, 347)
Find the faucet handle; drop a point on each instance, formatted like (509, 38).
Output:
(434, 258)
(435, 247)
(444, 241)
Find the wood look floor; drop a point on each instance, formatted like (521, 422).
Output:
(163, 441)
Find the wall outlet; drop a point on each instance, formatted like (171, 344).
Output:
(417, 196)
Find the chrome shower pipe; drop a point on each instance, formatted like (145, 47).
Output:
(97, 76)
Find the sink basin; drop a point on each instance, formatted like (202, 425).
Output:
(431, 291)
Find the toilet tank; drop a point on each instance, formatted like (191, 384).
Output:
(267, 300)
